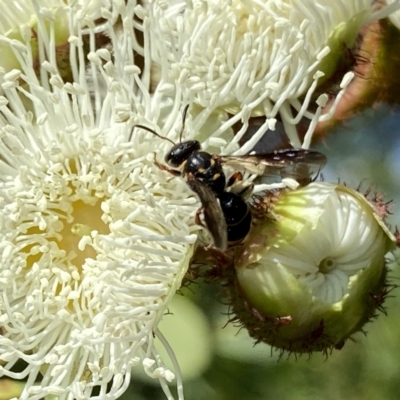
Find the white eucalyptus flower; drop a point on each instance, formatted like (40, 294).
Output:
(314, 272)
(94, 238)
(19, 24)
(260, 57)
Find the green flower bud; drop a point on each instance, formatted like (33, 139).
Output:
(312, 273)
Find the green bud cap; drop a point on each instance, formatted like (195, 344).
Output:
(314, 273)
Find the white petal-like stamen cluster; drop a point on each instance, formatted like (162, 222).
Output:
(256, 58)
(344, 241)
(15, 12)
(94, 238)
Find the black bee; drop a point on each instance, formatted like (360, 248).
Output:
(226, 214)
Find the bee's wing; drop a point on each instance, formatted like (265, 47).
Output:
(298, 164)
(213, 215)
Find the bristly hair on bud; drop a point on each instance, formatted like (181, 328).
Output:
(313, 270)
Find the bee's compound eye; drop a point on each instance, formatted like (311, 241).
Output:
(181, 151)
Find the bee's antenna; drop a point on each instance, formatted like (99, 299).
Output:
(184, 114)
(151, 131)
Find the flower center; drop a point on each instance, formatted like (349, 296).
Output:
(85, 219)
(327, 265)
(63, 220)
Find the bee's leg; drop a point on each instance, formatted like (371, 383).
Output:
(164, 167)
(199, 222)
(235, 178)
(247, 191)
(197, 219)
(235, 185)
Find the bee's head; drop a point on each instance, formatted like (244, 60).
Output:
(180, 152)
